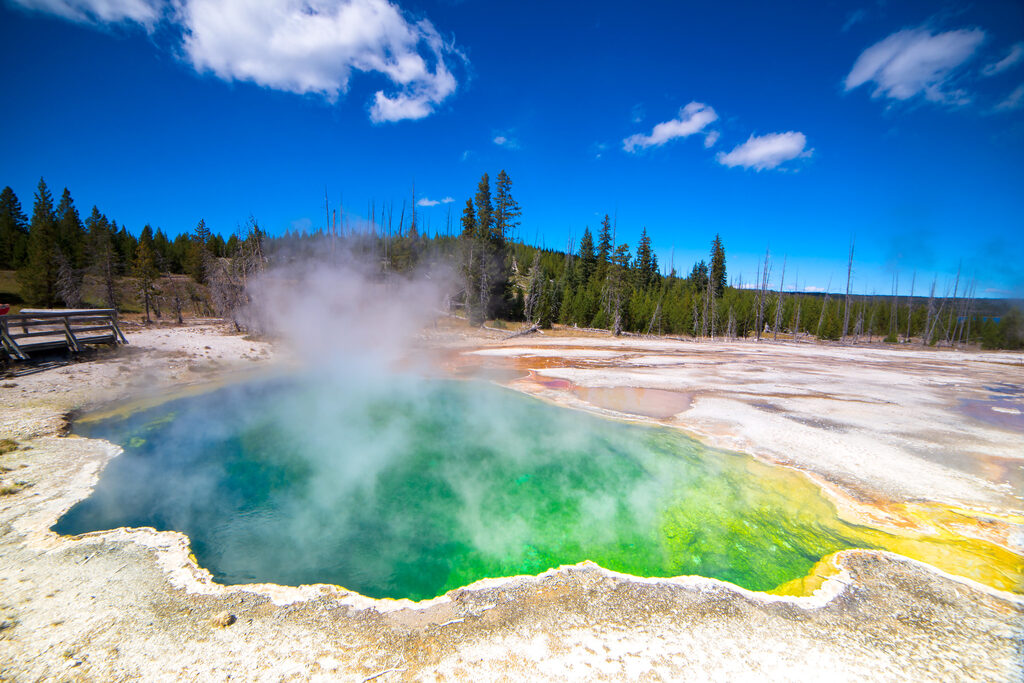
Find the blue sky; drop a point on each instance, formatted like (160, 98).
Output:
(794, 127)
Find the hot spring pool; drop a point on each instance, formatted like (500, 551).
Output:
(420, 486)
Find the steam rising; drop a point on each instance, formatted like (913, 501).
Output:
(339, 311)
(353, 469)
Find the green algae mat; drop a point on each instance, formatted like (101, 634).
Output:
(413, 487)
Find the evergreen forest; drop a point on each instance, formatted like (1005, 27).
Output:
(59, 259)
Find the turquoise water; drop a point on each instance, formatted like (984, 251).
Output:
(413, 487)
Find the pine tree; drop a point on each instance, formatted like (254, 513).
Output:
(617, 288)
(145, 269)
(13, 231)
(646, 262)
(717, 269)
(469, 220)
(506, 209)
(162, 249)
(103, 254)
(588, 259)
(471, 247)
(70, 231)
(604, 244)
(38, 277)
(484, 209)
(126, 245)
(198, 257)
(699, 276)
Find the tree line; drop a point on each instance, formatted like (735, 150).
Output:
(599, 283)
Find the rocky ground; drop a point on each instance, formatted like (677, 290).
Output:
(893, 436)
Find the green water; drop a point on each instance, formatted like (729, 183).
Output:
(411, 487)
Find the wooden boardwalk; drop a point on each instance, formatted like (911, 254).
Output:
(46, 330)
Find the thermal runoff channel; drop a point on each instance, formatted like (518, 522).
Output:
(411, 487)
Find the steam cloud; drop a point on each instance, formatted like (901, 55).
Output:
(338, 309)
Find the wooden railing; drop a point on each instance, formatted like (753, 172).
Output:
(36, 330)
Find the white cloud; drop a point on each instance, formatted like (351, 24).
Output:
(812, 288)
(711, 138)
(506, 141)
(1014, 100)
(434, 202)
(314, 46)
(916, 62)
(767, 151)
(692, 118)
(298, 46)
(1012, 58)
(145, 12)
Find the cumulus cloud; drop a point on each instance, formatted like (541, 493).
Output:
(916, 62)
(710, 139)
(145, 12)
(434, 202)
(693, 118)
(1014, 100)
(1012, 59)
(314, 46)
(766, 151)
(298, 46)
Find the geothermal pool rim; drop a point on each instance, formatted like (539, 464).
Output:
(187, 572)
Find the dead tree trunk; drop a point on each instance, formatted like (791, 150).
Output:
(927, 336)
(765, 277)
(781, 300)
(821, 318)
(796, 321)
(952, 308)
(846, 306)
(910, 305)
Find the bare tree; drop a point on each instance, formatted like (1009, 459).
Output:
(846, 306)
(929, 324)
(779, 303)
(893, 307)
(952, 307)
(824, 307)
(655, 318)
(796, 317)
(910, 305)
(231, 275)
(533, 290)
(765, 273)
(69, 281)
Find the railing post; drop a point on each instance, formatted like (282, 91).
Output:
(72, 341)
